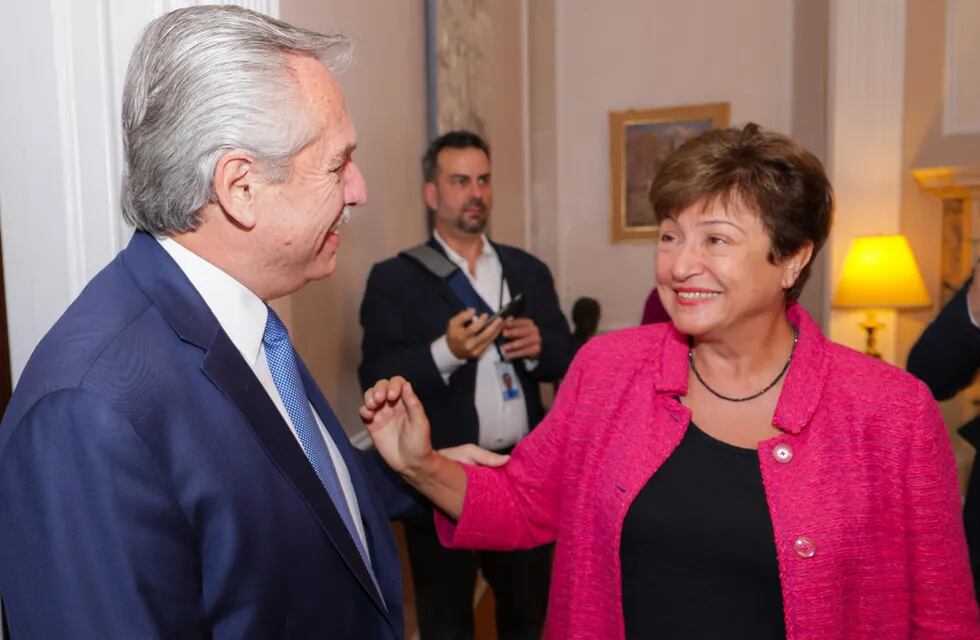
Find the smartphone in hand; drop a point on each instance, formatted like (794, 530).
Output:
(513, 308)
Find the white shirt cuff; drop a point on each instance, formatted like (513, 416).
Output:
(446, 361)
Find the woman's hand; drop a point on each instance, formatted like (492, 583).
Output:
(474, 455)
(396, 420)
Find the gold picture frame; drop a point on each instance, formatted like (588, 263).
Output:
(639, 141)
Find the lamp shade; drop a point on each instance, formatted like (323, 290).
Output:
(880, 273)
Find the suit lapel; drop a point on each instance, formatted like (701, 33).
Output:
(189, 316)
(513, 275)
(375, 521)
(225, 367)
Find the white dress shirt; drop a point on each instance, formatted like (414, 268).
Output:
(242, 315)
(502, 423)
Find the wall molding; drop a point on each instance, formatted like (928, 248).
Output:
(959, 70)
(949, 182)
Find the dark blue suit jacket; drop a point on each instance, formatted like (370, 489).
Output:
(947, 357)
(149, 488)
(405, 308)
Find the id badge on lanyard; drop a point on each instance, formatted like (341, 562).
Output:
(506, 375)
(507, 382)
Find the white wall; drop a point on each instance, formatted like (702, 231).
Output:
(624, 54)
(59, 159)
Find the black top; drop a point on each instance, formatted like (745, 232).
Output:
(698, 555)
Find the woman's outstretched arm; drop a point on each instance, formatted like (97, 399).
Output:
(396, 420)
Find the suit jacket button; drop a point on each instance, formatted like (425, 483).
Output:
(782, 453)
(805, 547)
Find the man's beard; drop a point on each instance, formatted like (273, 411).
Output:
(468, 222)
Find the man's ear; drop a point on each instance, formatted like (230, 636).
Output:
(794, 264)
(235, 181)
(430, 193)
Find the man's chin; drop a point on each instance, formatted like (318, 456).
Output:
(325, 265)
(473, 227)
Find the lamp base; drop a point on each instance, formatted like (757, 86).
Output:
(870, 325)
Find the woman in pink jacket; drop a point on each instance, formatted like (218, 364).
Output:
(732, 474)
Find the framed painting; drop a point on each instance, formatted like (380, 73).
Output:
(639, 142)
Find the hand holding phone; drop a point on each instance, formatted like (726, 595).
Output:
(513, 308)
(467, 340)
(523, 339)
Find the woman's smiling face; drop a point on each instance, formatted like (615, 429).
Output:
(713, 268)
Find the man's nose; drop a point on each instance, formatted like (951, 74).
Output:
(355, 188)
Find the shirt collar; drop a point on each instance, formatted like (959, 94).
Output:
(486, 252)
(241, 313)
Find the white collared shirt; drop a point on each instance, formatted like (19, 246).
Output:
(242, 315)
(502, 423)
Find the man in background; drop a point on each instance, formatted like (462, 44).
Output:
(168, 466)
(947, 357)
(426, 315)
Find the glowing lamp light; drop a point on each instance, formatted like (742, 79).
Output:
(880, 272)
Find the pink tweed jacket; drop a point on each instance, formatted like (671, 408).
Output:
(861, 487)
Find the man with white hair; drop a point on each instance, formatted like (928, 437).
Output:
(168, 466)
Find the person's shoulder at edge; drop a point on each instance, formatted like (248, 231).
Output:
(517, 251)
(395, 269)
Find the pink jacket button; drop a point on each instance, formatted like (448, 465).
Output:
(782, 453)
(805, 547)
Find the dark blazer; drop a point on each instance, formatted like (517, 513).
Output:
(406, 308)
(947, 357)
(149, 488)
(947, 354)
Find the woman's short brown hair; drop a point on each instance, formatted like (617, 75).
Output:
(763, 170)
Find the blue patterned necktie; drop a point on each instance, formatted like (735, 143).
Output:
(285, 373)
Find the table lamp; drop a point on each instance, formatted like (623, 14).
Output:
(880, 272)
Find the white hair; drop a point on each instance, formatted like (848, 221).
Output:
(202, 81)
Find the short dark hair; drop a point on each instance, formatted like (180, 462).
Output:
(460, 139)
(782, 181)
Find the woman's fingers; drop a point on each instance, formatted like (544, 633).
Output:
(383, 391)
(395, 386)
(367, 415)
(416, 412)
(381, 402)
(375, 396)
